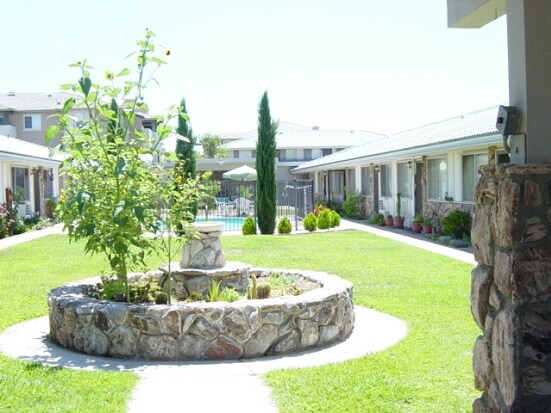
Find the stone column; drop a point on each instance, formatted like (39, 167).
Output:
(511, 289)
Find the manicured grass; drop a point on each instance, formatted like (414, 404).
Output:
(27, 272)
(429, 371)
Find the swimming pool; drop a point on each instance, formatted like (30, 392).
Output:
(231, 223)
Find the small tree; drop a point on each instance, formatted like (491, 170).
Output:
(112, 196)
(185, 166)
(265, 168)
(212, 147)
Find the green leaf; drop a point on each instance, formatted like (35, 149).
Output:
(139, 211)
(51, 133)
(85, 84)
(123, 72)
(69, 103)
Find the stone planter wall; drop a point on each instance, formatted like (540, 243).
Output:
(190, 331)
(511, 289)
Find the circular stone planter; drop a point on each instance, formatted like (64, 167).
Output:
(201, 331)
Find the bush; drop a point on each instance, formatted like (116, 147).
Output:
(351, 206)
(336, 205)
(324, 219)
(49, 208)
(249, 227)
(284, 226)
(310, 222)
(457, 224)
(263, 291)
(376, 219)
(335, 219)
(418, 219)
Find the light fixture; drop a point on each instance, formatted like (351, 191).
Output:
(410, 163)
(376, 168)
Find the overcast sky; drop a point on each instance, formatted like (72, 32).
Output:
(378, 65)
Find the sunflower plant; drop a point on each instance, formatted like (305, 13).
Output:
(113, 195)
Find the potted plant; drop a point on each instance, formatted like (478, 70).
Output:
(398, 218)
(427, 225)
(388, 220)
(416, 224)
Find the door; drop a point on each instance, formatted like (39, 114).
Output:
(418, 189)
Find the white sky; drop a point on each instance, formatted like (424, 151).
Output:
(378, 65)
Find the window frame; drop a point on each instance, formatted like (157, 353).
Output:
(36, 122)
(386, 180)
(365, 184)
(474, 173)
(438, 178)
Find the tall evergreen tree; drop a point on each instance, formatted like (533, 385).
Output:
(265, 168)
(185, 166)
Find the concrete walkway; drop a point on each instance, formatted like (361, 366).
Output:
(214, 386)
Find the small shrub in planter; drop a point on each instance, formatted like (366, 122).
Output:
(248, 228)
(263, 291)
(377, 219)
(417, 223)
(324, 219)
(389, 221)
(335, 219)
(284, 226)
(457, 224)
(310, 222)
(427, 225)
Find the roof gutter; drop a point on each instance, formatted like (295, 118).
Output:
(420, 150)
(33, 160)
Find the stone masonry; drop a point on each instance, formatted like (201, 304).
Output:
(511, 289)
(201, 330)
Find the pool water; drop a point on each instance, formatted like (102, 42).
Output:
(231, 223)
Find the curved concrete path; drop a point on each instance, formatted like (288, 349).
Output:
(216, 384)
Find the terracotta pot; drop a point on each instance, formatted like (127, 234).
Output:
(399, 223)
(427, 229)
(389, 222)
(416, 227)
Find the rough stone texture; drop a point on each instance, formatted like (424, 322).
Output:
(203, 251)
(200, 330)
(505, 354)
(532, 194)
(482, 235)
(482, 363)
(512, 359)
(481, 281)
(186, 280)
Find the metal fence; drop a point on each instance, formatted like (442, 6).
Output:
(232, 201)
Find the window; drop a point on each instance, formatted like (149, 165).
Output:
(308, 154)
(288, 155)
(366, 180)
(351, 180)
(471, 163)
(236, 154)
(31, 122)
(253, 154)
(326, 151)
(316, 153)
(20, 184)
(438, 178)
(404, 179)
(386, 180)
(3, 120)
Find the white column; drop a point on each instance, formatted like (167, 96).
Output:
(529, 37)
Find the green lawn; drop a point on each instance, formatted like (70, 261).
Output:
(429, 371)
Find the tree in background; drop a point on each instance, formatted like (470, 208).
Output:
(186, 164)
(185, 167)
(265, 168)
(212, 146)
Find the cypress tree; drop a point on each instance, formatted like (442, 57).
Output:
(185, 166)
(265, 168)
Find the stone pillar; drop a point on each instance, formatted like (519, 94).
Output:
(511, 289)
(203, 251)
